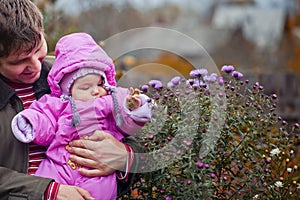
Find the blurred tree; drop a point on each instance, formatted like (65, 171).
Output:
(42, 4)
(166, 14)
(294, 27)
(107, 20)
(56, 23)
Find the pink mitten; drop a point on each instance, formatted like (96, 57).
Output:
(22, 129)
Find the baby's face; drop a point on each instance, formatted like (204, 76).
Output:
(88, 87)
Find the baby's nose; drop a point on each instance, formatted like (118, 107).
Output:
(96, 91)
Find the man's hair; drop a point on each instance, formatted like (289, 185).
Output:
(21, 26)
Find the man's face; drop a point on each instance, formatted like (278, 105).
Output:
(23, 67)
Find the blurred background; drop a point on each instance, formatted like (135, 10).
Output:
(261, 38)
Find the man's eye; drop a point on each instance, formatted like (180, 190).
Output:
(17, 62)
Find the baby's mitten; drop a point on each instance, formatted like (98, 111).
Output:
(22, 129)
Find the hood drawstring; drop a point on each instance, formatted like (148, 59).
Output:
(119, 118)
(75, 117)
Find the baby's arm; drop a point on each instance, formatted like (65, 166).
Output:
(132, 120)
(22, 129)
(36, 123)
(25, 130)
(138, 106)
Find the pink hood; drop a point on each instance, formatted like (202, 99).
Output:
(75, 51)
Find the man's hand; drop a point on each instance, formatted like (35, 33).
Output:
(101, 152)
(66, 192)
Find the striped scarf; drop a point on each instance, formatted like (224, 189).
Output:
(36, 152)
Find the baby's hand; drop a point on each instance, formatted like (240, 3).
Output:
(22, 129)
(133, 100)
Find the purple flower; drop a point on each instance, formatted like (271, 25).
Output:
(176, 80)
(198, 72)
(274, 96)
(158, 86)
(168, 198)
(211, 78)
(187, 142)
(221, 80)
(170, 84)
(237, 74)
(212, 175)
(190, 81)
(196, 83)
(200, 164)
(150, 136)
(155, 83)
(267, 170)
(227, 68)
(144, 88)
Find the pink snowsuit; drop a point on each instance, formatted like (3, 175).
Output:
(51, 116)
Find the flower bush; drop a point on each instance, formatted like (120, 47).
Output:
(216, 137)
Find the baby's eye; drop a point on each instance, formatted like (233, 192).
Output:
(101, 83)
(85, 88)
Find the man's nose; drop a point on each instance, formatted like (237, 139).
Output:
(34, 64)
